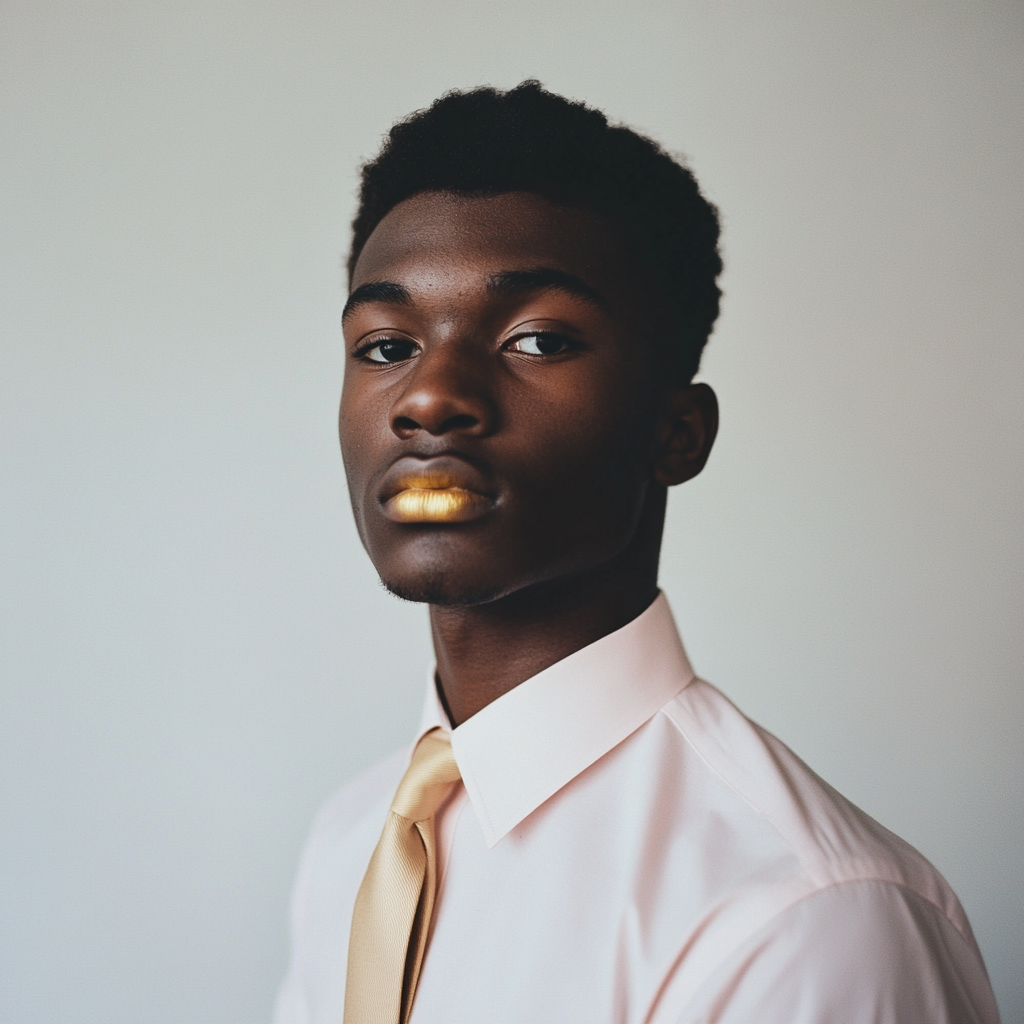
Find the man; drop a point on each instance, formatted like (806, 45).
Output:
(581, 830)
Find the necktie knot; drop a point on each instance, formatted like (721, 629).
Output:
(429, 779)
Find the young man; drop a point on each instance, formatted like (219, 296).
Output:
(581, 830)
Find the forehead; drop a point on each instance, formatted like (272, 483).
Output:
(436, 235)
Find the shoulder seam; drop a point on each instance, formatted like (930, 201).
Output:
(821, 873)
(797, 898)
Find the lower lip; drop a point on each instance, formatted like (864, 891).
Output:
(436, 505)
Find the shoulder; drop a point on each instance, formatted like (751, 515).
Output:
(346, 827)
(867, 952)
(851, 918)
(333, 862)
(360, 795)
(832, 840)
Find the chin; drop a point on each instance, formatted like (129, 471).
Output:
(441, 589)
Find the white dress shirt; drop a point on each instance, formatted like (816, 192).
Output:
(627, 847)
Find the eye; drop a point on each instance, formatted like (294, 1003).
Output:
(540, 344)
(390, 350)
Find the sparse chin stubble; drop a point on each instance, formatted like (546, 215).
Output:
(436, 590)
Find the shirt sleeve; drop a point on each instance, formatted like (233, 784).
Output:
(332, 865)
(290, 1005)
(866, 952)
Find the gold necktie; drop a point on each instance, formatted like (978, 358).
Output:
(391, 918)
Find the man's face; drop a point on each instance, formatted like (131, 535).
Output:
(497, 417)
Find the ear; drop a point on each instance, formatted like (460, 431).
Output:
(684, 433)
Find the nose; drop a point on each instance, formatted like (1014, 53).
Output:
(447, 392)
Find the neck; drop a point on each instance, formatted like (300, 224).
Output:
(483, 651)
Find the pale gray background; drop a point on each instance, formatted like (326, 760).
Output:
(195, 649)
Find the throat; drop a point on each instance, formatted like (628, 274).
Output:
(485, 650)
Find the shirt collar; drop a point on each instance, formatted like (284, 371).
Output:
(525, 746)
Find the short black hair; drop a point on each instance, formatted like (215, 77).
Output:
(487, 142)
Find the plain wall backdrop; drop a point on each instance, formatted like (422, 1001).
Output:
(195, 650)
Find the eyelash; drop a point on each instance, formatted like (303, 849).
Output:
(568, 344)
(362, 353)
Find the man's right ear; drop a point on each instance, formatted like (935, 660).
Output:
(685, 431)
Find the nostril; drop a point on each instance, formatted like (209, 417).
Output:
(404, 423)
(461, 422)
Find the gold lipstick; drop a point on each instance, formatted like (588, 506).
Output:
(435, 505)
(432, 497)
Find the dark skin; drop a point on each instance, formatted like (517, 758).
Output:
(506, 345)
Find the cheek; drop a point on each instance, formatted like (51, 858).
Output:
(359, 431)
(587, 462)
(351, 446)
(362, 421)
(601, 425)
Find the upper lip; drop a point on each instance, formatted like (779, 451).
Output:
(434, 472)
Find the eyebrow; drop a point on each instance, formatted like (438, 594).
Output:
(514, 282)
(376, 291)
(508, 282)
